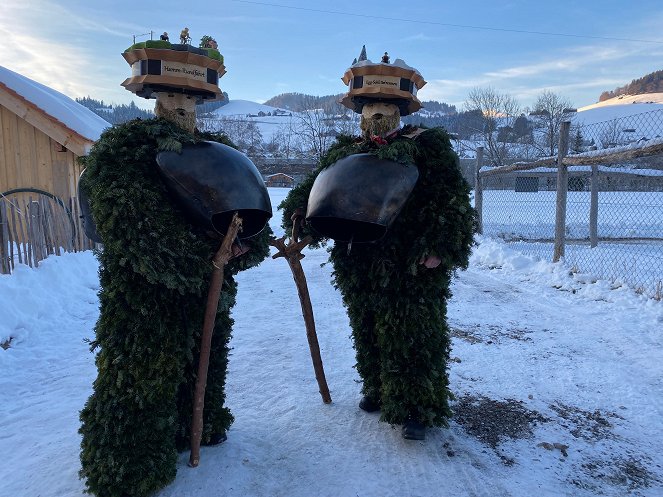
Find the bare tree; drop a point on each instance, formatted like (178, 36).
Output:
(316, 129)
(288, 140)
(497, 110)
(550, 111)
(611, 135)
(242, 132)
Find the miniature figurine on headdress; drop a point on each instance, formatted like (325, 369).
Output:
(184, 36)
(397, 207)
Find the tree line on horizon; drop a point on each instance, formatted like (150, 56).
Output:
(488, 119)
(651, 83)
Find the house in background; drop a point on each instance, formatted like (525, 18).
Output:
(279, 179)
(42, 135)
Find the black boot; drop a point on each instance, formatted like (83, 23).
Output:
(216, 438)
(413, 430)
(368, 404)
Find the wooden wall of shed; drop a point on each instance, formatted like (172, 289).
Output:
(31, 159)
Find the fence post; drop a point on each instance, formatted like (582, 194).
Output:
(562, 189)
(594, 207)
(478, 191)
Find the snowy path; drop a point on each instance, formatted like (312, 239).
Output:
(539, 358)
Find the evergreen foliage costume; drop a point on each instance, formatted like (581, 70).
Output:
(396, 300)
(154, 273)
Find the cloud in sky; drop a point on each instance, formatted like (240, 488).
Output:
(581, 68)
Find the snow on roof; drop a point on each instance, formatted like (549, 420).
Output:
(56, 105)
(278, 174)
(398, 63)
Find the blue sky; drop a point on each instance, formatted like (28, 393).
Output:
(280, 46)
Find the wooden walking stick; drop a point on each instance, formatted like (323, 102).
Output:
(293, 254)
(221, 258)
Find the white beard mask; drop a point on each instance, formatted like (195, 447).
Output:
(379, 119)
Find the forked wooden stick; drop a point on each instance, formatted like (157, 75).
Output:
(220, 260)
(293, 254)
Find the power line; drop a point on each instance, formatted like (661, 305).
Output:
(435, 23)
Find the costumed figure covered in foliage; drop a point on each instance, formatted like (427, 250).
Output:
(155, 267)
(397, 206)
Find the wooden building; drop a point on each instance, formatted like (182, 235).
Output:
(279, 179)
(42, 135)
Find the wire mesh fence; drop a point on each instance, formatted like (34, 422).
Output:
(613, 222)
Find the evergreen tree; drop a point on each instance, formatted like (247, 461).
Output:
(578, 140)
(362, 55)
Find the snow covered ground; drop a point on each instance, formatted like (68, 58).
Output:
(558, 385)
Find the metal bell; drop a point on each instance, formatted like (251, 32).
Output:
(358, 197)
(211, 181)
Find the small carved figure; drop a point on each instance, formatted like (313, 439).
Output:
(385, 58)
(184, 36)
(164, 36)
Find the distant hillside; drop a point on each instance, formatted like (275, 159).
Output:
(298, 102)
(651, 83)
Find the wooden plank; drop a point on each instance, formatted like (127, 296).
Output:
(73, 207)
(47, 224)
(594, 207)
(4, 241)
(59, 173)
(43, 161)
(478, 191)
(11, 157)
(18, 239)
(611, 155)
(61, 226)
(32, 231)
(10, 237)
(28, 229)
(4, 180)
(20, 215)
(28, 161)
(72, 178)
(56, 214)
(562, 189)
(37, 231)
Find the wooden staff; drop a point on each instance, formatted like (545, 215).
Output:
(293, 254)
(220, 260)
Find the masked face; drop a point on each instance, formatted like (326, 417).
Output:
(378, 119)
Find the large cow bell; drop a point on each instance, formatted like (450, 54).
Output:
(358, 197)
(211, 181)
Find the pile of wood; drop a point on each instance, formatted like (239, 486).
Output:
(34, 226)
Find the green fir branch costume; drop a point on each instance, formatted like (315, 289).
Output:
(397, 306)
(154, 271)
